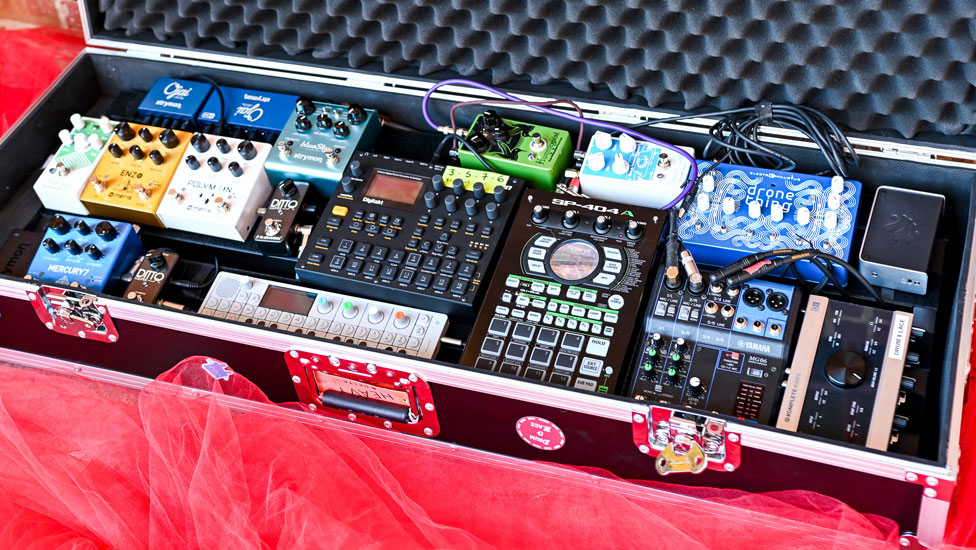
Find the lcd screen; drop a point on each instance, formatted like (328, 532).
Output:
(286, 299)
(390, 188)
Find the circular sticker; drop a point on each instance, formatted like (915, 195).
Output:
(540, 433)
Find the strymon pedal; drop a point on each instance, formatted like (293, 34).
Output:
(425, 234)
(65, 175)
(318, 141)
(325, 315)
(568, 285)
(217, 188)
(129, 181)
(846, 376)
(277, 232)
(716, 349)
(740, 210)
(255, 115)
(86, 252)
(173, 103)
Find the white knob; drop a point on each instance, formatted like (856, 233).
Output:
(830, 220)
(81, 142)
(95, 142)
(833, 201)
(803, 215)
(728, 206)
(708, 183)
(375, 315)
(620, 166)
(776, 212)
(596, 162)
(837, 184)
(755, 209)
(627, 144)
(65, 136)
(248, 284)
(76, 122)
(703, 202)
(602, 140)
(105, 125)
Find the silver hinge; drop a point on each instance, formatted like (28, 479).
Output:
(74, 313)
(684, 442)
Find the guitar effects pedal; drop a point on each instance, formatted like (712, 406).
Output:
(149, 274)
(129, 181)
(276, 233)
(569, 283)
(256, 115)
(217, 187)
(318, 141)
(85, 252)
(325, 315)
(173, 103)
(416, 232)
(65, 175)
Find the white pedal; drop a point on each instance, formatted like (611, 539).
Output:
(218, 187)
(67, 171)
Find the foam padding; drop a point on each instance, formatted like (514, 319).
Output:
(871, 64)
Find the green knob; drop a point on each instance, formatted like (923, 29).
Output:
(672, 371)
(652, 352)
(676, 357)
(347, 305)
(648, 367)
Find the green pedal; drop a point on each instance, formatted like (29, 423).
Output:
(536, 154)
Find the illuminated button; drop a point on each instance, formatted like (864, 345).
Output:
(537, 288)
(545, 241)
(578, 311)
(339, 210)
(523, 332)
(553, 290)
(594, 315)
(492, 346)
(565, 361)
(564, 308)
(612, 253)
(499, 327)
(615, 301)
(572, 342)
(516, 351)
(541, 357)
(584, 326)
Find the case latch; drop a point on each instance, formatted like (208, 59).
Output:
(684, 442)
(366, 393)
(73, 312)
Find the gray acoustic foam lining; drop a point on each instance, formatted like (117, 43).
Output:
(909, 66)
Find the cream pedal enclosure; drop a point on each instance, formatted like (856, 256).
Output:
(65, 175)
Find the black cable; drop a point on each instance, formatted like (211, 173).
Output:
(220, 97)
(467, 144)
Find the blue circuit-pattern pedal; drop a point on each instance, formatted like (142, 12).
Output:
(740, 210)
(86, 252)
(318, 141)
(260, 115)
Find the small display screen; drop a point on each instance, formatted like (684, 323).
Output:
(390, 188)
(574, 260)
(286, 299)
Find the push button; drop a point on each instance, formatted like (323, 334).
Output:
(345, 246)
(431, 263)
(362, 249)
(379, 253)
(460, 287)
(406, 276)
(541, 357)
(388, 273)
(372, 269)
(354, 266)
(339, 210)
(441, 283)
(534, 374)
(523, 332)
(516, 351)
(573, 342)
(559, 378)
(491, 346)
(548, 337)
(467, 270)
(414, 259)
(423, 280)
(510, 369)
(499, 327)
(396, 258)
(565, 361)
(449, 267)
(337, 262)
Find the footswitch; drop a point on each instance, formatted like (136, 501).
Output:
(568, 285)
(318, 141)
(65, 175)
(739, 211)
(173, 103)
(716, 349)
(846, 375)
(325, 315)
(635, 172)
(217, 188)
(413, 231)
(130, 179)
(254, 115)
(87, 252)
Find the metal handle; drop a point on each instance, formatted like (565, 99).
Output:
(362, 405)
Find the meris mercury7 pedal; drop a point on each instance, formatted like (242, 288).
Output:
(217, 187)
(85, 252)
(65, 175)
(130, 179)
(422, 234)
(318, 141)
(568, 285)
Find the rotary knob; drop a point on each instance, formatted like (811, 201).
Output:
(340, 129)
(602, 224)
(349, 310)
(115, 150)
(540, 213)
(223, 146)
(430, 199)
(374, 315)
(323, 304)
(458, 187)
(400, 320)
(288, 188)
(478, 189)
(491, 210)
(214, 164)
(125, 132)
(59, 225)
(356, 169)
(695, 388)
(146, 134)
(323, 121)
(106, 231)
(192, 162)
(137, 152)
(500, 194)
(356, 114)
(471, 207)
(156, 157)
(846, 369)
(200, 143)
(304, 106)
(680, 345)
(72, 247)
(246, 150)
(169, 139)
(93, 252)
(302, 123)
(450, 203)
(235, 169)
(570, 219)
(156, 259)
(672, 376)
(348, 186)
(634, 230)
(51, 245)
(437, 181)
(82, 227)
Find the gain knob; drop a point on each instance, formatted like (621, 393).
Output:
(695, 388)
(672, 376)
(246, 150)
(304, 106)
(491, 210)
(125, 132)
(115, 150)
(374, 315)
(356, 114)
(680, 345)
(437, 181)
(570, 219)
(846, 369)
(72, 247)
(430, 199)
(340, 129)
(634, 230)
(156, 157)
(93, 252)
(348, 186)
(450, 202)
(602, 224)
(356, 169)
(235, 169)
(169, 139)
(302, 123)
(59, 225)
(223, 146)
(499, 194)
(137, 152)
(323, 121)
(471, 207)
(540, 213)
(192, 162)
(478, 189)
(82, 227)
(200, 143)
(214, 164)
(146, 134)
(51, 245)
(458, 187)
(106, 231)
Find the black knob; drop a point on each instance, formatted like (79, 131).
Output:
(93, 252)
(223, 146)
(82, 227)
(288, 188)
(846, 369)
(214, 164)
(540, 213)
(125, 132)
(491, 210)
(899, 422)
(450, 202)
(50, 245)
(115, 150)
(72, 247)
(137, 152)
(304, 106)
(430, 199)
(146, 134)
(200, 143)
(347, 184)
(246, 150)
(471, 207)
(156, 157)
(695, 388)
(156, 259)
(106, 231)
(323, 121)
(602, 224)
(356, 114)
(500, 194)
(340, 129)
(59, 225)
(356, 168)
(570, 219)
(303, 123)
(169, 139)
(634, 230)
(192, 162)
(235, 169)
(672, 377)
(438, 182)
(478, 189)
(458, 187)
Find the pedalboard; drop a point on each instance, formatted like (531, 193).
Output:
(277, 227)
(326, 315)
(536, 154)
(625, 170)
(317, 142)
(64, 177)
(149, 275)
(714, 348)
(422, 234)
(740, 210)
(250, 114)
(846, 379)
(129, 181)
(173, 103)
(18, 251)
(217, 187)
(568, 284)
(85, 252)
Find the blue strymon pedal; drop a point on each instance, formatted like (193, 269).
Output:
(171, 99)
(262, 113)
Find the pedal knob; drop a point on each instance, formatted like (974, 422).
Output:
(830, 220)
(400, 320)
(82, 227)
(223, 146)
(246, 150)
(214, 164)
(349, 310)
(323, 121)
(620, 166)
(833, 201)
(634, 230)
(539, 213)
(59, 225)
(695, 388)
(596, 162)
(235, 169)
(77, 123)
(200, 143)
(146, 134)
(93, 252)
(288, 188)
(340, 129)
(491, 210)
(837, 184)
(137, 152)
(347, 184)
(169, 139)
(803, 215)
(776, 212)
(156, 259)
(755, 209)
(708, 183)
(500, 194)
(125, 132)
(728, 206)
(81, 143)
(156, 157)
(65, 137)
(104, 124)
(72, 247)
(704, 204)
(356, 114)
(458, 187)
(95, 142)
(303, 123)
(437, 181)
(478, 189)
(430, 199)
(450, 203)
(192, 162)
(106, 231)
(627, 143)
(602, 224)
(570, 219)
(356, 169)
(471, 207)
(51, 245)
(304, 106)
(142, 192)
(374, 315)
(602, 140)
